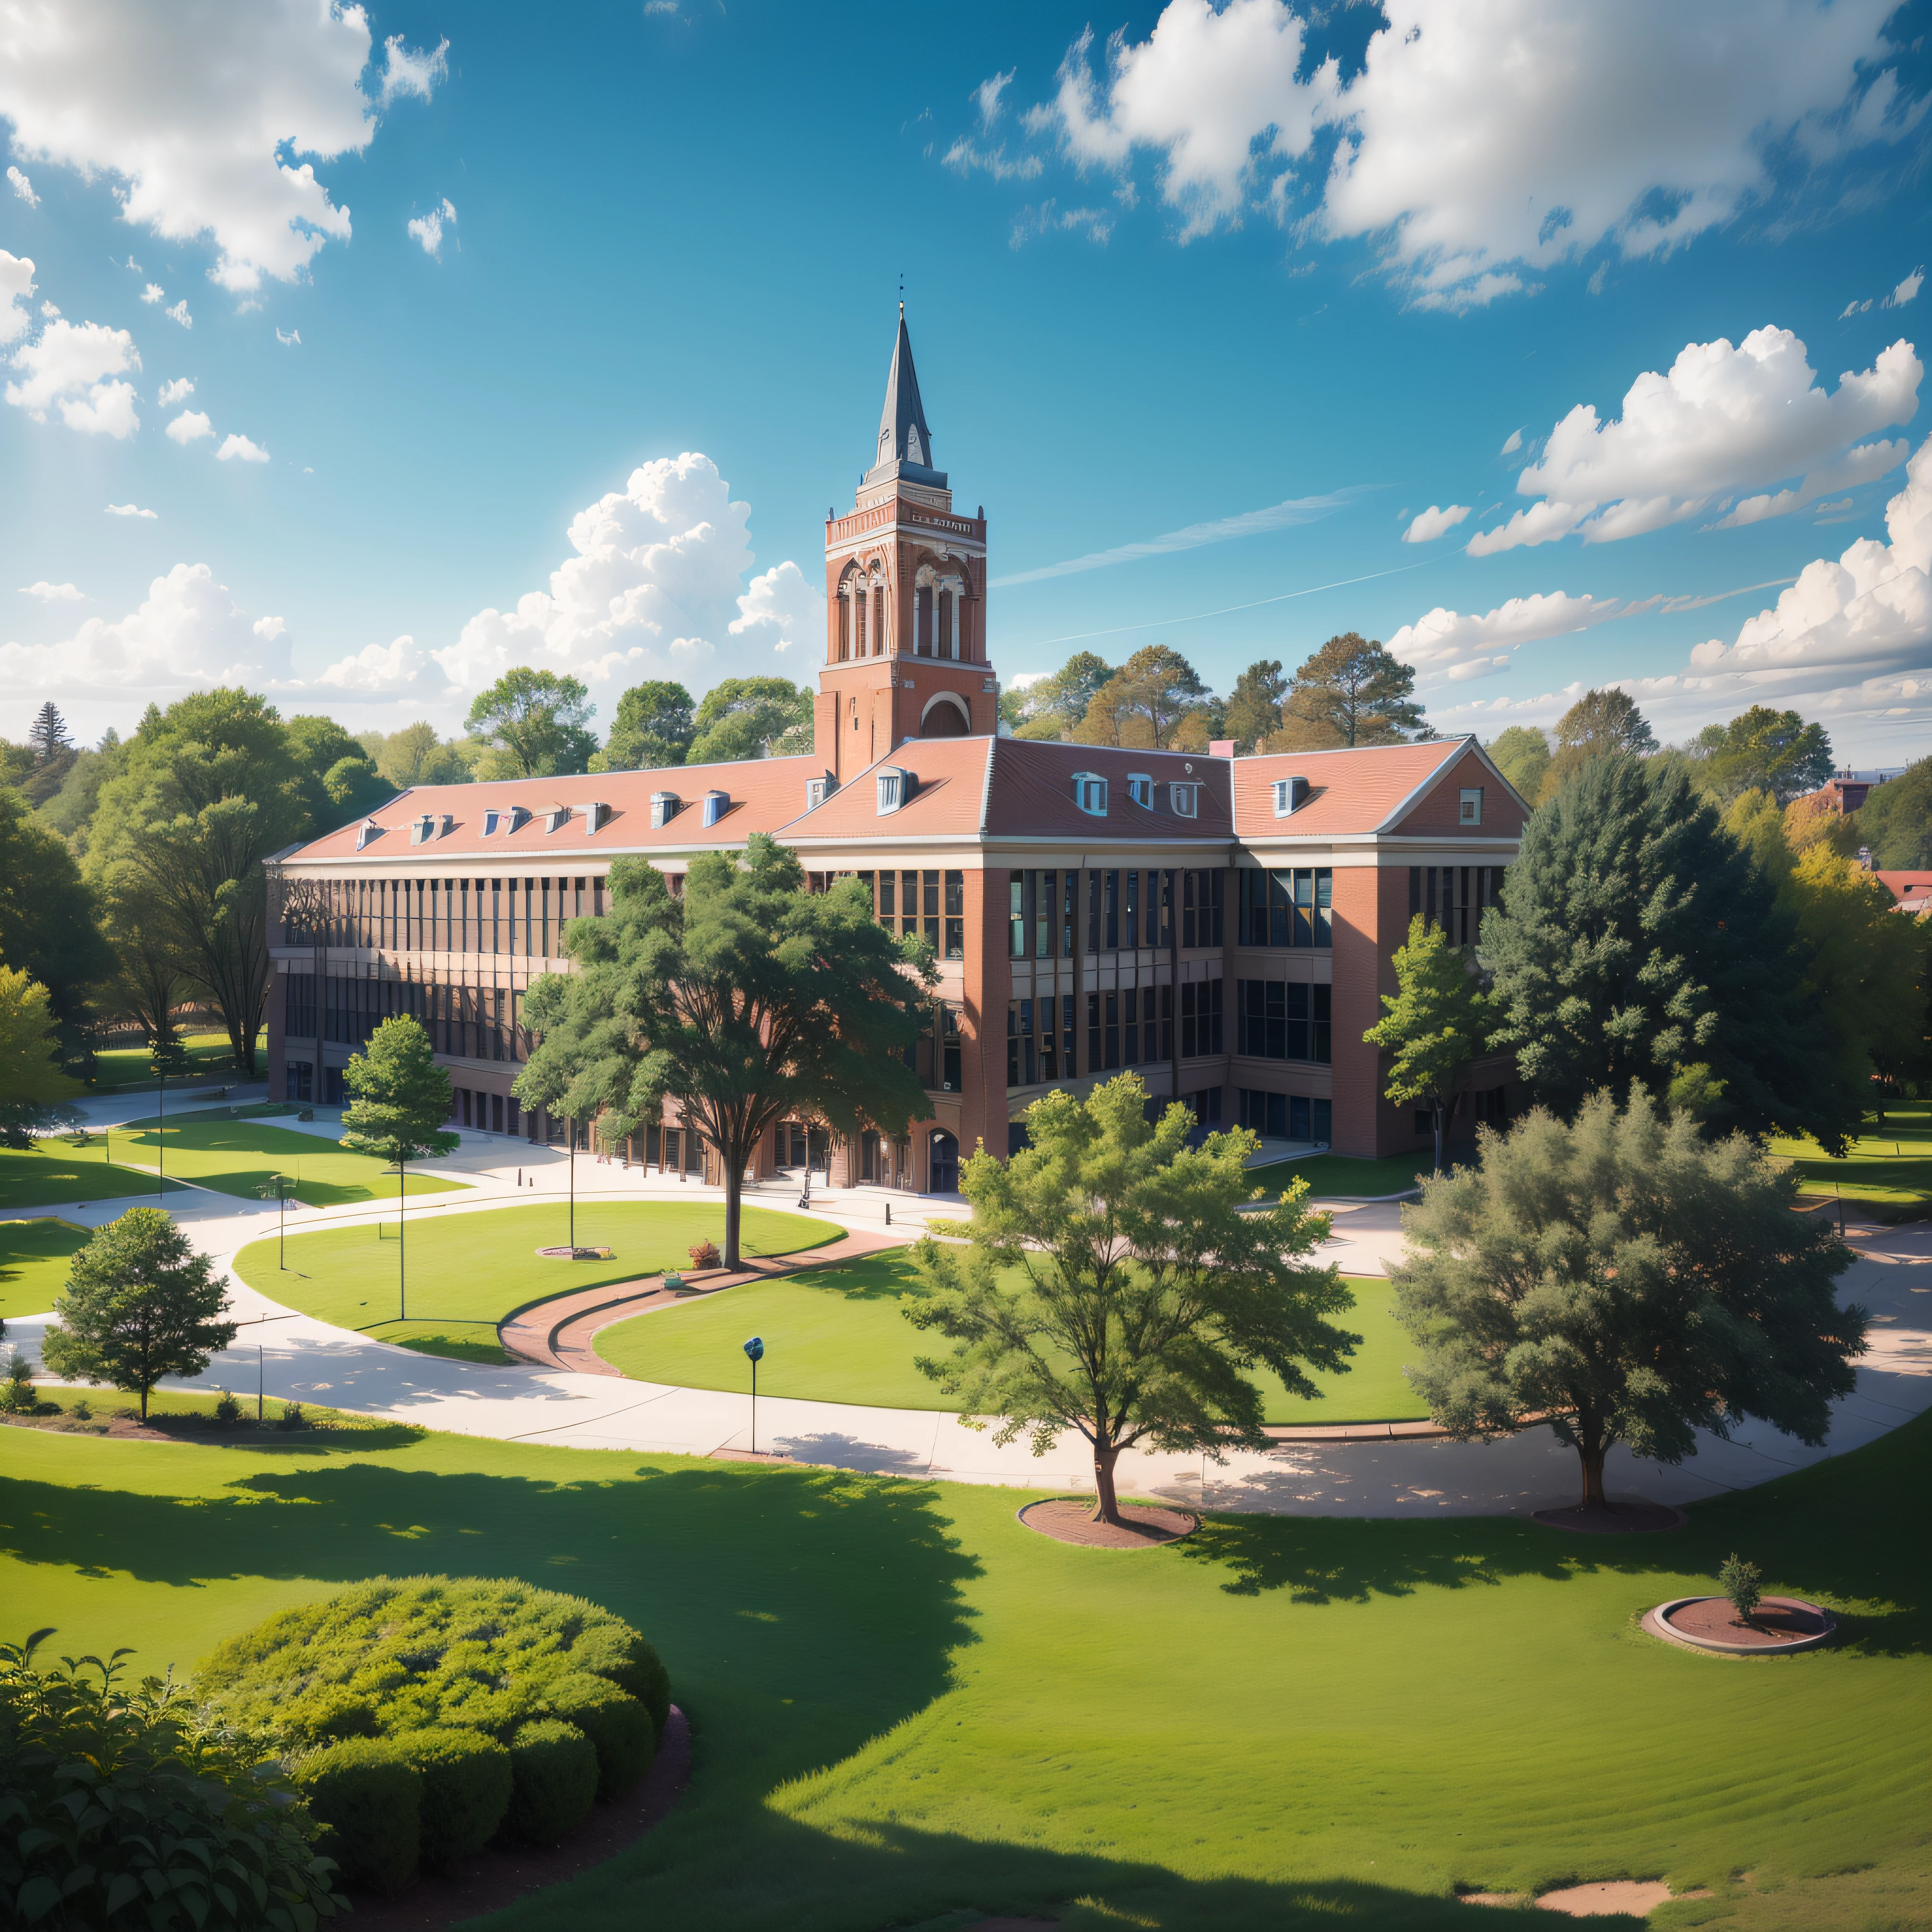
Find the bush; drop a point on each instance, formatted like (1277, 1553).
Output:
(227, 1410)
(369, 1795)
(618, 1727)
(612, 1648)
(466, 1790)
(1743, 1582)
(292, 1417)
(703, 1254)
(202, 1827)
(553, 1768)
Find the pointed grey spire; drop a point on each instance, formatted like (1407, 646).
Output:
(905, 443)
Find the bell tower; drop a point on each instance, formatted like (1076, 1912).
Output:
(905, 600)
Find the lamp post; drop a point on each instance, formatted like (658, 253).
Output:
(755, 1348)
(277, 1188)
(166, 1056)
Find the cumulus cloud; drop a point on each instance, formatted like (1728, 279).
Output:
(1433, 523)
(178, 391)
(239, 449)
(23, 188)
(1721, 419)
(653, 590)
(154, 293)
(1480, 146)
(202, 145)
(190, 426)
(270, 627)
(52, 593)
(76, 368)
(1447, 643)
(782, 607)
(413, 72)
(188, 632)
(428, 228)
(131, 510)
(16, 288)
(386, 670)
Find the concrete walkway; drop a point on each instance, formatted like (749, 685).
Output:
(310, 1360)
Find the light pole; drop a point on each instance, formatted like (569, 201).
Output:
(277, 1189)
(166, 1057)
(755, 1348)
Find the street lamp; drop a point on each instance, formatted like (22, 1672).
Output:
(167, 1056)
(755, 1348)
(277, 1188)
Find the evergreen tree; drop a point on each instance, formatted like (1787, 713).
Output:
(1434, 1026)
(1628, 1280)
(48, 733)
(139, 1304)
(535, 723)
(402, 1102)
(1637, 946)
(1352, 692)
(1896, 820)
(654, 727)
(1254, 707)
(1150, 704)
(1114, 1286)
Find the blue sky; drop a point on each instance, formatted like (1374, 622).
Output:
(1167, 270)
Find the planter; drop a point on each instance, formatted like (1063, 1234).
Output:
(1784, 1626)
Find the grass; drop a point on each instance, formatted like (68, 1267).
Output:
(52, 1173)
(906, 1709)
(838, 1335)
(34, 1255)
(1892, 1166)
(123, 1067)
(182, 1415)
(235, 1157)
(1331, 1176)
(467, 1271)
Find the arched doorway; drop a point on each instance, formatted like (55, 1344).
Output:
(942, 1162)
(945, 718)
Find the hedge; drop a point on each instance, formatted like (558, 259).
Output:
(369, 1795)
(618, 1727)
(553, 1767)
(466, 1790)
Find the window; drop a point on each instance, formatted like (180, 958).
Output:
(1278, 1022)
(949, 1049)
(1286, 1117)
(1289, 908)
(1140, 789)
(1185, 799)
(1200, 1018)
(929, 901)
(891, 789)
(956, 915)
(1022, 1058)
(557, 818)
(716, 804)
(664, 807)
(491, 820)
(1201, 908)
(1290, 795)
(1454, 897)
(1089, 793)
(818, 791)
(1471, 813)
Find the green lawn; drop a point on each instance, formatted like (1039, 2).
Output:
(838, 1335)
(122, 1067)
(1333, 1174)
(34, 1255)
(1891, 1166)
(907, 1708)
(467, 1271)
(52, 1173)
(235, 1157)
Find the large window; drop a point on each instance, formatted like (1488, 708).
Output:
(1287, 1116)
(1277, 1021)
(1128, 909)
(1288, 907)
(1200, 908)
(908, 904)
(1200, 1018)
(1454, 897)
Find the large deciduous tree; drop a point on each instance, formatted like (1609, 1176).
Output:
(1628, 1280)
(1351, 692)
(1155, 701)
(1765, 750)
(748, 1001)
(1435, 1025)
(139, 1304)
(31, 1083)
(49, 928)
(1600, 723)
(750, 718)
(535, 723)
(1521, 754)
(1636, 946)
(1111, 1286)
(1895, 821)
(1054, 705)
(654, 727)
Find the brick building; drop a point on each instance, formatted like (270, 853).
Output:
(1223, 926)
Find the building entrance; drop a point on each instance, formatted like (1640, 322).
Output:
(942, 1155)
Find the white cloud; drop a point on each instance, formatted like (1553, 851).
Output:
(178, 391)
(428, 228)
(52, 593)
(270, 627)
(1479, 144)
(132, 510)
(1906, 289)
(653, 590)
(986, 95)
(1448, 643)
(154, 293)
(179, 313)
(407, 71)
(201, 131)
(16, 288)
(1722, 419)
(782, 608)
(1514, 443)
(966, 155)
(291, 340)
(1050, 218)
(238, 448)
(190, 426)
(73, 366)
(23, 188)
(1434, 523)
(188, 632)
(383, 669)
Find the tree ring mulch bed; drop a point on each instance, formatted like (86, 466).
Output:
(1070, 1520)
(1779, 1626)
(1630, 1517)
(498, 1875)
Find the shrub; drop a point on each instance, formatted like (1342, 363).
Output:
(612, 1648)
(292, 1417)
(202, 1827)
(703, 1254)
(466, 1790)
(618, 1727)
(227, 1410)
(1743, 1582)
(553, 1767)
(369, 1795)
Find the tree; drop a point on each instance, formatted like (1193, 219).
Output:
(1628, 1280)
(402, 1099)
(653, 727)
(48, 733)
(1896, 820)
(1637, 946)
(1434, 1026)
(414, 755)
(1254, 708)
(1148, 703)
(1112, 1286)
(139, 1304)
(1600, 724)
(70, 811)
(330, 766)
(210, 790)
(750, 718)
(1055, 704)
(1353, 688)
(1764, 750)
(534, 722)
(49, 928)
(749, 1000)
(1521, 754)
(31, 1081)
(354, 789)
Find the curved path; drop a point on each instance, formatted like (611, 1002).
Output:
(313, 1361)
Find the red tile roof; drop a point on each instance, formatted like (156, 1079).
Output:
(1912, 890)
(1352, 792)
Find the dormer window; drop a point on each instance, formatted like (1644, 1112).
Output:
(1089, 793)
(1290, 795)
(557, 818)
(1140, 789)
(663, 808)
(716, 804)
(449, 825)
(596, 816)
(520, 817)
(895, 787)
(422, 829)
(366, 833)
(818, 791)
(1185, 799)
(491, 820)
